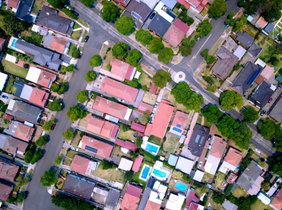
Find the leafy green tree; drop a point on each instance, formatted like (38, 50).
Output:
(211, 113)
(55, 87)
(95, 61)
(185, 96)
(55, 105)
(275, 165)
(128, 175)
(70, 203)
(107, 165)
(10, 24)
(218, 8)
(155, 45)
(269, 129)
(70, 68)
(125, 25)
(90, 76)
(165, 55)
(75, 52)
(133, 57)
(119, 50)
(42, 140)
(69, 13)
(245, 202)
(278, 143)
(58, 160)
(48, 178)
(134, 83)
(265, 185)
(48, 124)
(139, 142)
(63, 88)
(250, 114)
(208, 58)
(186, 47)
(29, 153)
(109, 11)
(69, 134)
(218, 198)
(88, 2)
(36, 157)
(229, 100)
(143, 36)
(75, 112)
(161, 78)
(274, 61)
(82, 96)
(21, 196)
(57, 3)
(204, 28)
(11, 200)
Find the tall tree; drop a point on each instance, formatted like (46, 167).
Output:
(143, 36)
(109, 11)
(269, 129)
(69, 134)
(119, 50)
(161, 78)
(250, 114)
(204, 28)
(218, 8)
(125, 25)
(275, 164)
(211, 113)
(165, 55)
(230, 99)
(82, 96)
(133, 57)
(75, 112)
(95, 61)
(90, 76)
(155, 45)
(48, 178)
(88, 2)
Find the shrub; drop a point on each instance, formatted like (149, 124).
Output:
(228, 189)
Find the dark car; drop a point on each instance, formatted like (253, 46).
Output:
(3, 96)
(152, 15)
(262, 113)
(86, 38)
(269, 100)
(53, 126)
(74, 12)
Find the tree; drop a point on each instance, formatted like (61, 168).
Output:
(63, 88)
(70, 203)
(75, 112)
(125, 25)
(218, 8)
(128, 175)
(275, 165)
(185, 96)
(48, 124)
(155, 45)
(107, 165)
(204, 28)
(269, 129)
(250, 114)
(274, 61)
(211, 113)
(139, 142)
(75, 52)
(55, 105)
(70, 68)
(265, 185)
(57, 3)
(119, 50)
(42, 140)
(69, 134)
(21, 196)
(145, 117)
(246, 202)
(218, 198)
(229, 99)
(29, 153)
(133, 57)
(186, 47)
(36, 157)
(142, 36)
(82, 96)
(208, 58)
(10, 24)
(161, 78)
(90, 76)
(11, 200)
(109, 11)
(48, 178)
(165, 55)
(58, 160)
(55, 87)
(88, 2)
(95, 61)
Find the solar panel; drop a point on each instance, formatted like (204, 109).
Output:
(177, 125)
(125, 1)
(53, 23)
(136, 15)
(197, 138)
(91, 149)
(177, 129)
(202, 139)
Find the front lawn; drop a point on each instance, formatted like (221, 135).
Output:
(239, 192)
(72, 47)
(144, 79)
(219, 179)
(171, 144)
(76, 34)
(14, 69)
(82, 22)
(71, 154)
(109, 174)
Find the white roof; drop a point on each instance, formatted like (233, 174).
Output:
(185, 165)
(198, 175)
(263, 198)
(26, 92)
(161, 12)
(137, 75)
(128, 113)
(239, 52)
(150, 3)
(11, 104)
(154, 196)
(175, 202)
(125, 164)
(11, 58)
(212, 164)
(260, 62)
(33, 74)
(3, 78)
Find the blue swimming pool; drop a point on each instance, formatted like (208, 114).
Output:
(181, 187)
(159, 173)
(14, 43)
(145, 172)
(151, 148)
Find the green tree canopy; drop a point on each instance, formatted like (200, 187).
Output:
(165, 55)
(218, 198)
(143, 36)
(48, 124)
(275, 165)
(82, 96)
(245, 202)
(58, 160)
(90, 76)
(36, 157)
(204, 28)
(88, 2)
(250, 114)
(186, 47)
(184, 95)
(75, 112)
(161, 78)
(48, 178)
(208, 58)
(119, 50)
(155, 45)
(55, 87)
(42, 140)
(70, 68)
(125, 25)
(57, 3)
(75, 52)
(211, 113)
(230, 99)
(70, 203)
(63, 88)
(55, 105)
(133, 57)
(269, 129)
(218, 8)
(109, 11)
(95, 61)
(10, 24)
(69, 134)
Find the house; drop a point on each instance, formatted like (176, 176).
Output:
(24, 111)
(13, 4)
(239, 52)
(176, 33)
(263, 198)
(174, 201)
(161, 121)
(185, 3)
(231, 160)
(276, 112)
(265, 74)
(112, 198)
(246, 77)
(2, 43)
(125, 164)
(169, 3)
(198, 140)
(83, 165)
(268, 28)
(196, 5)
(8, 170)
(124, 3)
(3, 80)
(198, 176)
(131, 198)
(262, 94)
(20, 131)
(249, 176)
(40, 30)
(191, 200)
(49, 18)
(172, 159)
(224, 64)
(5, 191)
(255, 188)
(245, 39)
(156, 196)
(12, 145)
(229, 206)
(185, 165)
(97, 147)
(274, 187)
(137, 163)
(126, 144)
(179, 124)
(254, 50)
(143, 107)
(78, 186)
(218, 146)
(41, 77)
(261, 23)
(112, 108)
(138, 127)
(24, 9)
(55, 43)
(276, 203)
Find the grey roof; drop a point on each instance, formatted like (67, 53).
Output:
(229, 206)
(276, 112)
(224, 64)
(12, 128)
(24, 9)
(269, 28)
(24, 111)
(198, 140)
(262, 94)
(41, 55)
(254, 50)
(246, 77)
(139, 9)
(112, 198)
(78, 186)
(245, 39)
(172, 159)
(159, 25)
(249, 176)
(47, 40)
(49, 18)
(146, 193)
(19, 88)
(169, 3)
(2, 140)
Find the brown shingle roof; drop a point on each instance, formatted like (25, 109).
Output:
(8, 171)
(5, 191)
(80, 164)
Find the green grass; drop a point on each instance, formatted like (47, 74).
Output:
(72, 45)
(239, 192)
(67, 161)
(207, 177)
(250, 29)
(268, 46)
(14, 69)
(171, 144)
(135, 177)
(76, 34)
(147, 156)
(76, 26)
(258, 205)
(60, 182)
(9, 84)
(206, 123)
(33, 37)
(155, 140)
(82, 22)
(64, 173)
(144, 79)
(219, 179)
(37, 6)
(199, 120)
(71, 154)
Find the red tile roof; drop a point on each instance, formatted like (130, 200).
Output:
(233, 157)
(58, 44)
(152, 205)
(136, 164)
(80, 164)
(8, 171)
(261, 22)
(121, 68)
(218, 147)
(103, 149)
(7, 117)
(193, 206)
(126, 144)
(5, 192)
(144, 107)
(277, 201)
(131, 198)
(160, 123)
(191, 198)
(180, 120)
(13, 3)
(46, 78)
(119, 89)
(138, 127)
(153, 88)
(176, 32)
(259, 79)
(185, 3)
(267, 72)
(38, 97)
(23, 132)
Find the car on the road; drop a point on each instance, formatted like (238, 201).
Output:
(200, 164)
(86, 38)
(262, 112)
(53, 126)
(5, 97)
(74, 12)
(270, 100)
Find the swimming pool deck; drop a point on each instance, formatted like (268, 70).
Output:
(159, 166)
(176, 190)
(148, 174)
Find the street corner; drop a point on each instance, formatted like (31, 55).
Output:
(178, 76)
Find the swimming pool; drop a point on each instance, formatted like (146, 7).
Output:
(159, 173)
(152, 148)
(145, 172)
(181, 187)
(14, 43)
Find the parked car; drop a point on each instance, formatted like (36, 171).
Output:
(53, 126)
(74, 12)
(86, 38)
(270, 100)
(5, 97)
(226, 26)
(209, 138)
(200, 164)
(262, 112)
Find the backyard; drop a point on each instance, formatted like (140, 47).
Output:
(109, 174)
(207, 177)
(239, 192)
(70, 155)
(76, 139)
(268, 47)
(260, 206)
(32, 37)
(219, 179)
(135, 177)
(250, 29)
(14, 69)
(155, 140)
(37, 6)
(212, 205)
(126, 135)
(60, 183)
(201, 190)
(144, 79)
(171, 144)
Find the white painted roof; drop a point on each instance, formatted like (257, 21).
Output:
(33, 74)
(239, 52)
(26, 92)
(185, 165)
(11, 58)
(3, 78)
(125, 164)
(161, 12)
(198, 176)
